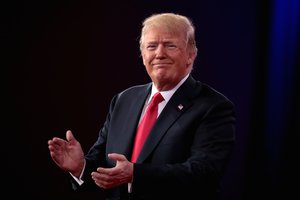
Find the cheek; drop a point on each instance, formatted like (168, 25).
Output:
(146, 59)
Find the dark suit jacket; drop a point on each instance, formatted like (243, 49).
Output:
(186, 152)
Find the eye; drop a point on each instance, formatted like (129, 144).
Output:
(171, 46)
(151, 47)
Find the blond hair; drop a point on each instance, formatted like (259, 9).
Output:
(173, 23)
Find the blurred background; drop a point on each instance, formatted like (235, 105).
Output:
(62, 62)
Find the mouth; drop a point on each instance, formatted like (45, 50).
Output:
(160, 65)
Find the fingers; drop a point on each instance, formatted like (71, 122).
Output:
(105, 181)
(56, 141)
(111, 177)
(56, 147)
(70, 137)
(117, 157)
(108, 171)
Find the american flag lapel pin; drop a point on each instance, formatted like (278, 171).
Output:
(180, 106)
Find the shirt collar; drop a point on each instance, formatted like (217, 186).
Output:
(167, 94)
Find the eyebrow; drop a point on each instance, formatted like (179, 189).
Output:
(163, 42)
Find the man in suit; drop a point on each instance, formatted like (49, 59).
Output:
(188, 147)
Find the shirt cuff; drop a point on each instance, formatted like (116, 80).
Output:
(79, 180)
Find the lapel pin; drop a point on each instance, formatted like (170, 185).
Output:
(180, 107)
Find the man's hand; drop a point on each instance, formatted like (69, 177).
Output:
(67, 154)
(112, 177)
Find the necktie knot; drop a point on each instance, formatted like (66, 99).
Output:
(157, 98)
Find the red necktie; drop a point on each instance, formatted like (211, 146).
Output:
(146, 125)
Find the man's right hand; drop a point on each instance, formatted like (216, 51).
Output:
(67, 154)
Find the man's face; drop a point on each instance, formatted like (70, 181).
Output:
(166, 57)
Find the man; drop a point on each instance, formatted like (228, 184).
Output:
(188, 147)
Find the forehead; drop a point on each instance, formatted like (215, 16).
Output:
(155, 35)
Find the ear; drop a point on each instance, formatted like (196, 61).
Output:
(192, 56)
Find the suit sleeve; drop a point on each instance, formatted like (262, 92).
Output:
(95, 156)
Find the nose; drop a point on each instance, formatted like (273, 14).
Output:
(160, 51)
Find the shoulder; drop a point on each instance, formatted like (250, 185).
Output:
(207, 95)
(135, 90)
(203, 91)
(133, 93)
(209, 91)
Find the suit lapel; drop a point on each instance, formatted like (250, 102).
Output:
(177, 105)
(125, 140)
